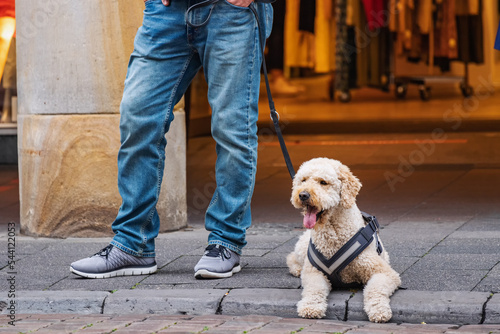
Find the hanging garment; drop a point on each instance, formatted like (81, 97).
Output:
(304, 49)
(470, 31)
(402, 23)
(307, 15)
(445, 30)
(275, 42)
(470, 38)
(7, 8)
(376, 14)
(424, 16)
(372, 52)
(342, 48)
(467, 7)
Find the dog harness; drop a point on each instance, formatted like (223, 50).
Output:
(347, 253)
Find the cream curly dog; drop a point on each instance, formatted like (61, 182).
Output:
(326, 191)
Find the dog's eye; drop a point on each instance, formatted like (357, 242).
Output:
(304, 180)
(323, 182)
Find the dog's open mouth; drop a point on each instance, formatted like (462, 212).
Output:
(311, 216)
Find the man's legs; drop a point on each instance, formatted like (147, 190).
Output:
(160, 70)
(231, 56)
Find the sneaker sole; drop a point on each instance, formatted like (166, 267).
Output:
(115, 273)
(203, 273)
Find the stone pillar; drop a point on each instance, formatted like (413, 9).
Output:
(72, 62)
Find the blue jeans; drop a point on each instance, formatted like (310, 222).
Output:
(167, 55)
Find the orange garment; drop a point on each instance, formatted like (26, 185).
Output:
(8, 8)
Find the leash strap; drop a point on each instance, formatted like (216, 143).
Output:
(347, 253)
(274, 114)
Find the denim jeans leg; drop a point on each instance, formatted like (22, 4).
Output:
(231, 58)
(160, 70)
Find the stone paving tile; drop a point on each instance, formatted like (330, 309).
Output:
(327, 326)
(480, 225)
(402, 263)
(266, 241)
(46, 275)
(270, 260)
(107, 326)
(490, 283)
(74, 282)
(169, 317)
(261, 278)
(283, 326)
(255, 252)
(402, 248)
(468, 246)
(199, 284)
(473, 329)
(26, 246)
(288, 246)
(209, 317)
(441, 280)
(45, 317)
(442, 261)
(23, 327)
(149, 326)
(130, 317)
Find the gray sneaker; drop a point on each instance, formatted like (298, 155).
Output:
(217, 262)
(111, 262)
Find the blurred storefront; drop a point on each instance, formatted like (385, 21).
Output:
(383, 51)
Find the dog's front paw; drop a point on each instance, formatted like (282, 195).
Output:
(379, 313)
(293, 265)
(311, 310)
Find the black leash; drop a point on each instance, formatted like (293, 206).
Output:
(274, 114)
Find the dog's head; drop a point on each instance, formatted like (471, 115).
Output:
(321, 185)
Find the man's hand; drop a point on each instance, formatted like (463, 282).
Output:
(165, 2)
(240, 3)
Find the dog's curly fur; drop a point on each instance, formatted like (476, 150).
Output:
(332, 188)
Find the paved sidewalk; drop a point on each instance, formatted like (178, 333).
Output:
(131, 324)
(450, 274)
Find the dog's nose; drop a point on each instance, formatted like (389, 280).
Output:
(304, 196)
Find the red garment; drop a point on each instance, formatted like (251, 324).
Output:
(8, 8)
(375, 14)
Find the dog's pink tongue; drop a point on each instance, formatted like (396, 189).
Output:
(310, 217)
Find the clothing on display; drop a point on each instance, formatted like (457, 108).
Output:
(367, 35)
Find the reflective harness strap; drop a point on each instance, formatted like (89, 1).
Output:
(347, 253)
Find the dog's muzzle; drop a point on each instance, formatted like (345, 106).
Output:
(304, 196)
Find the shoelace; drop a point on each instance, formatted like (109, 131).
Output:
(220, 251)
(105, 251)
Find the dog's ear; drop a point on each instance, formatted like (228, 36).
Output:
(350, 187)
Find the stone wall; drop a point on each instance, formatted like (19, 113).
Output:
(72, 62)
